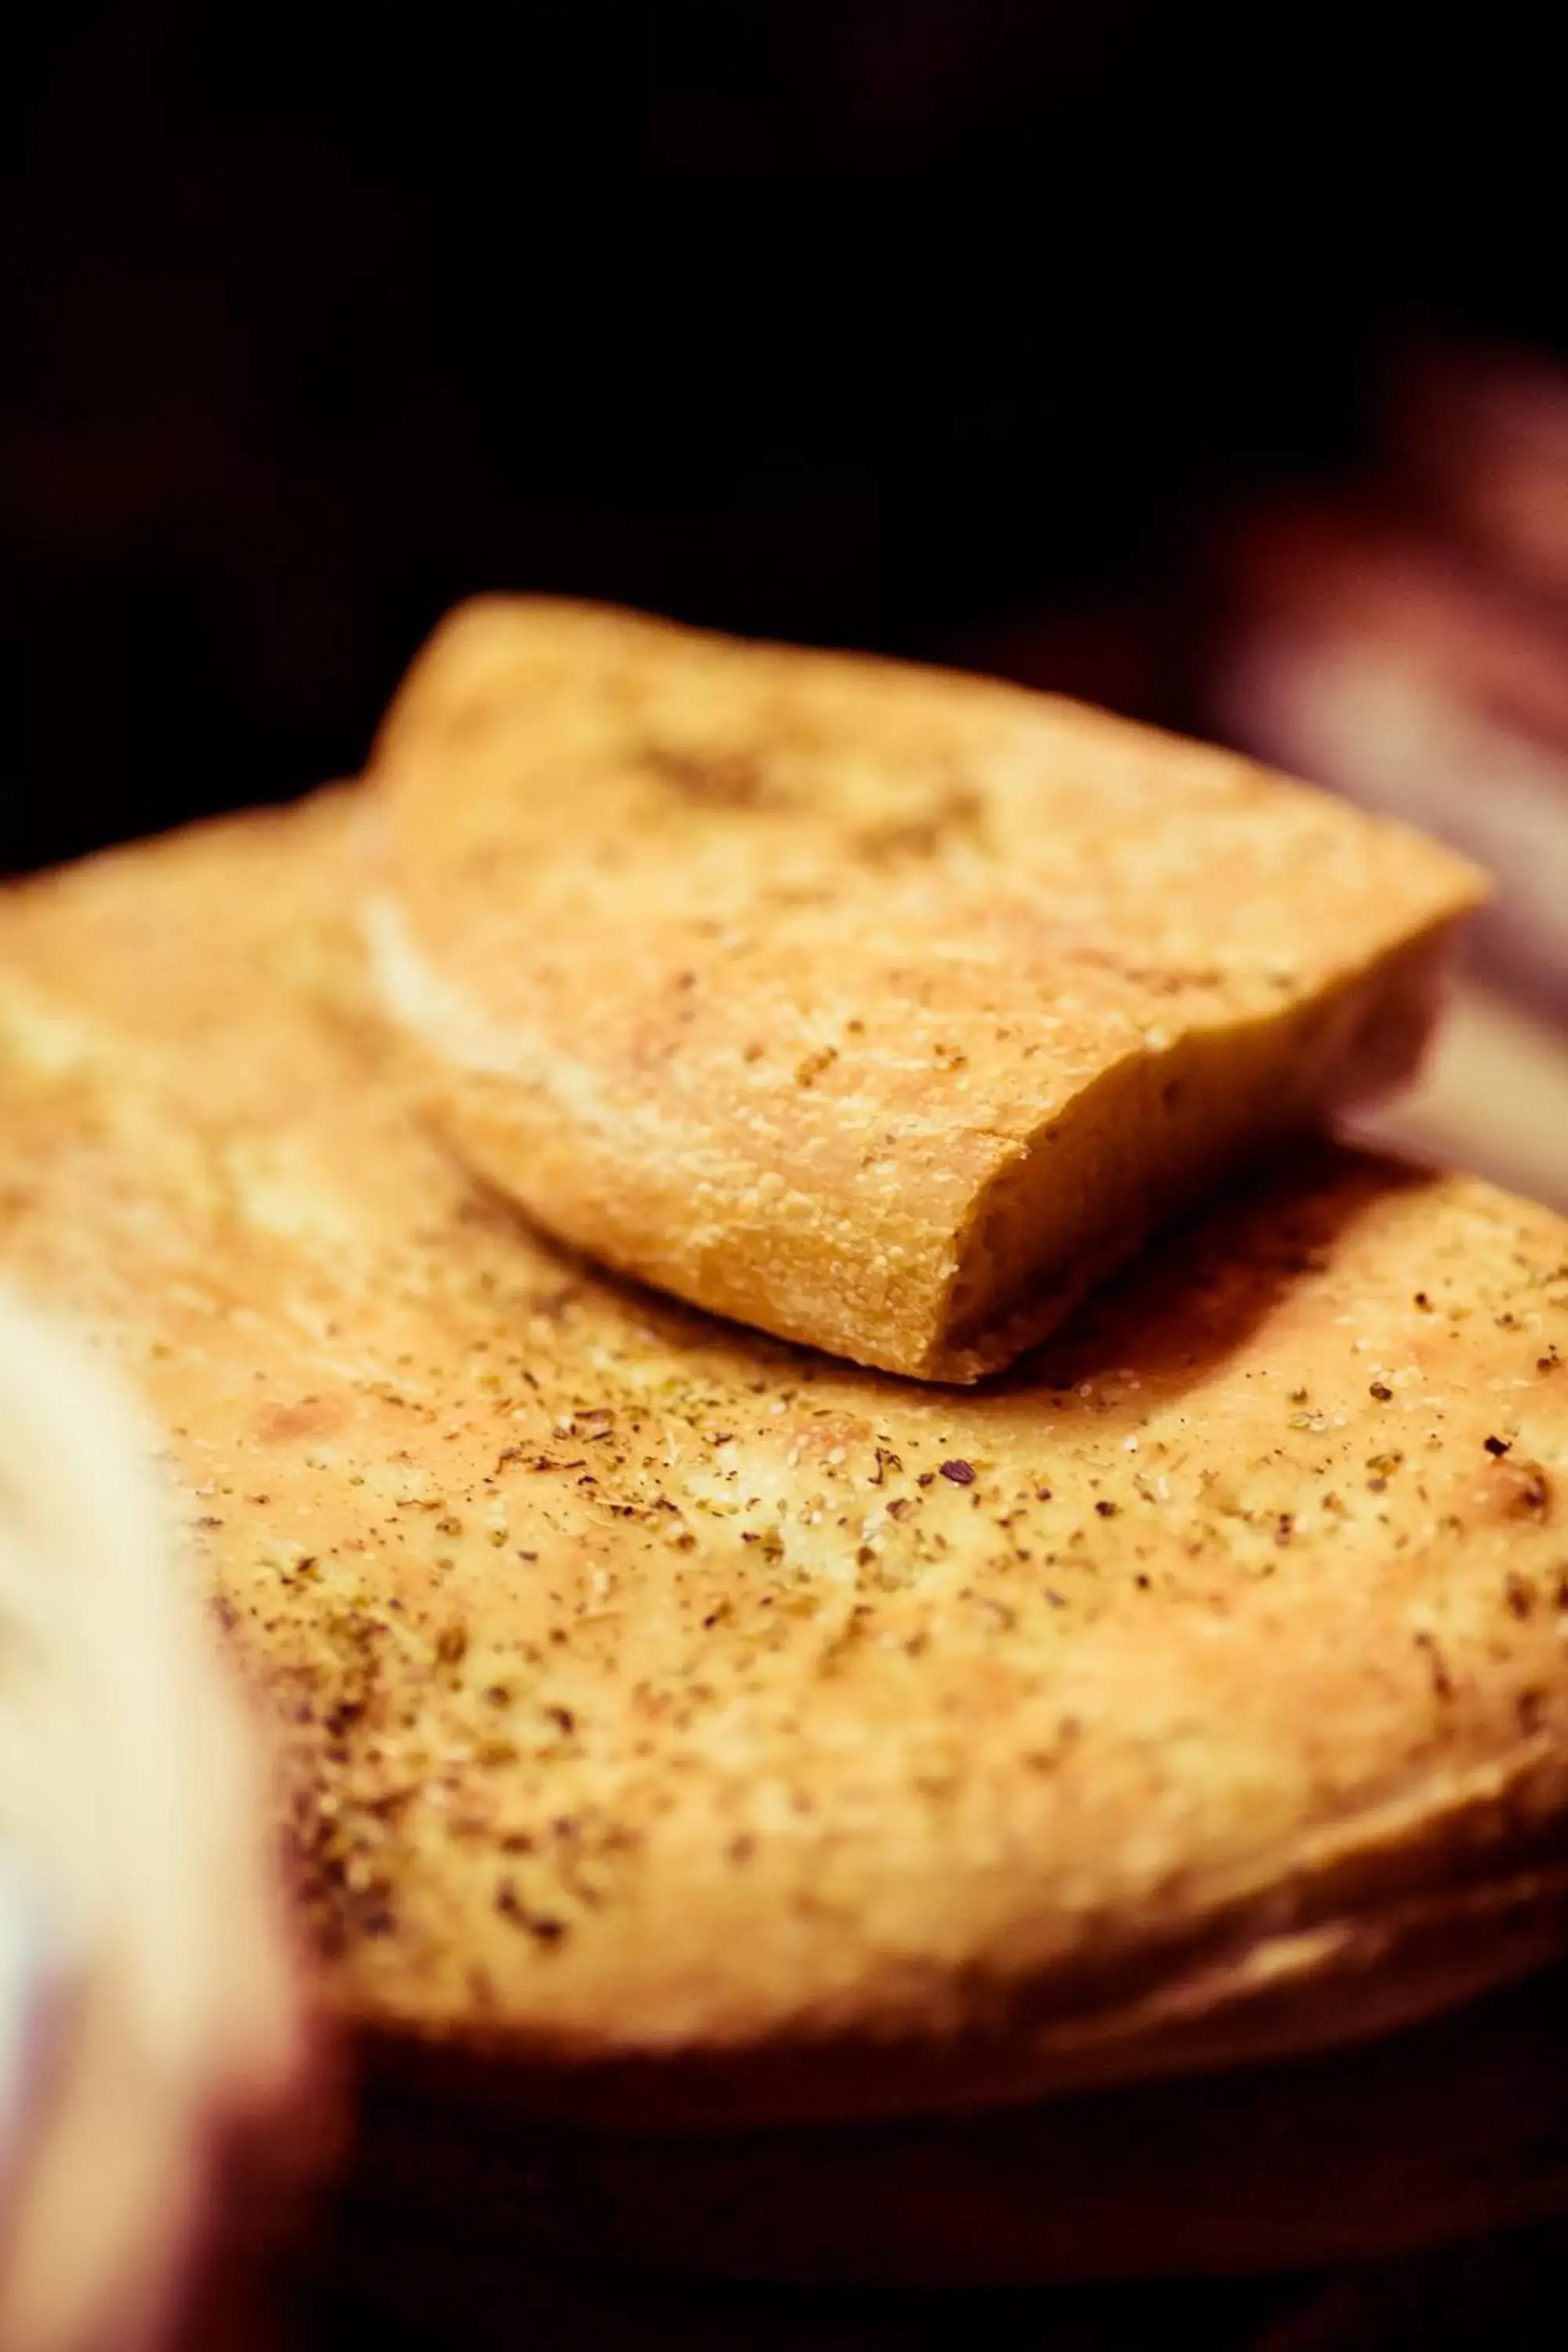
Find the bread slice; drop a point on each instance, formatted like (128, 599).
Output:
(872, 1006)
(720, 1734)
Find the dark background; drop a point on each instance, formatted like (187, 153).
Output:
(896, 323)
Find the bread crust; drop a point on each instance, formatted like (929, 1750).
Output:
(876, 1007)
(724, 1735)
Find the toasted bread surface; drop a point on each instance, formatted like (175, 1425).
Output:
(874, 1007)
(722, 1733)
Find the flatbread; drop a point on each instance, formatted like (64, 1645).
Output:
(872, 1006)
(720, 1733)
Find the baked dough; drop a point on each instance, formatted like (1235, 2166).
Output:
(725, 1735)
(873, 1006)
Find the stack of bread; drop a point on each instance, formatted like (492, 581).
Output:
(914, 1633)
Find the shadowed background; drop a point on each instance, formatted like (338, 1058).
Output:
(854, 321)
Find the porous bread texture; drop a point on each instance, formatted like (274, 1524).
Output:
(873, 1006)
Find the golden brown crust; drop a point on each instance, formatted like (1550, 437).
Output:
(873, 1006)
(692, 1716)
